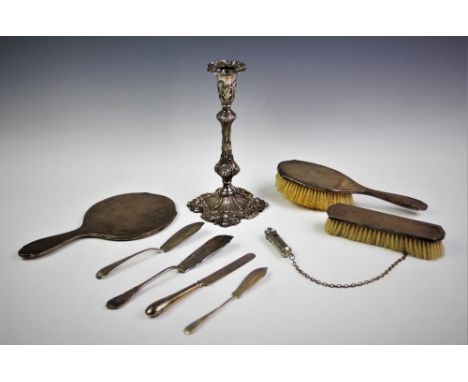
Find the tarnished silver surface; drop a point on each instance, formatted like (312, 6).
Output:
(274, 238)
(203, 252)
(219, 274)
(392, 224)
(286, 251)
(160, 306)
(248, 282)
(228, 205)
(121, 217)
(177, 238)
(188, 263)
(322, 178)
(180, 236)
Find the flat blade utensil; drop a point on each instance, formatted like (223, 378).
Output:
(249, 281)
(177, 238)
(185, 265)
(160, 306)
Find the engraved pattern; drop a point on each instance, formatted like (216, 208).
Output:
(226, 92)
(227, 168)
(227, 210)
(228, 204)
(226, 66)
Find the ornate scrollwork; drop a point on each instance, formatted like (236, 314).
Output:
(241, 205)
(227, 169)
(226, 66)
(226, 92)
(228, 204)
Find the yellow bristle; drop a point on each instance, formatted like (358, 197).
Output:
(426, 250)
(310, 198)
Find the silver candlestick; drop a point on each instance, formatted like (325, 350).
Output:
(228, 204)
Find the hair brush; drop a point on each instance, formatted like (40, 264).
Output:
(318, 187)
(413, 237)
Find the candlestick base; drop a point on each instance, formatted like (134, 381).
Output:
(227, 210)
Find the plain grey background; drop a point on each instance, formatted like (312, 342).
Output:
(82, 119)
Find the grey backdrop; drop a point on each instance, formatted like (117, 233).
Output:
(82, 119)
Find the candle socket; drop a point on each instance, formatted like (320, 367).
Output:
(228, 204)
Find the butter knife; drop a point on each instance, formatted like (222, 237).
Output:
(185, 265)
(160, 306)
(180, 236)
(249, 281)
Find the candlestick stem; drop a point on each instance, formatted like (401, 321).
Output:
(228, 204)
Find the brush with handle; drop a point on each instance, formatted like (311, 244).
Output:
(318, 187)
(177, 238)
(410, 237)
(248, 282)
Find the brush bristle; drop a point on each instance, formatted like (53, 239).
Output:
(310, 198)
(414, 247)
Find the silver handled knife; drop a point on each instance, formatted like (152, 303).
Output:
(180, 236)
(249, 281)
(160, 306)
(185, 265)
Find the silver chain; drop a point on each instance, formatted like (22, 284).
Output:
(352, 285)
